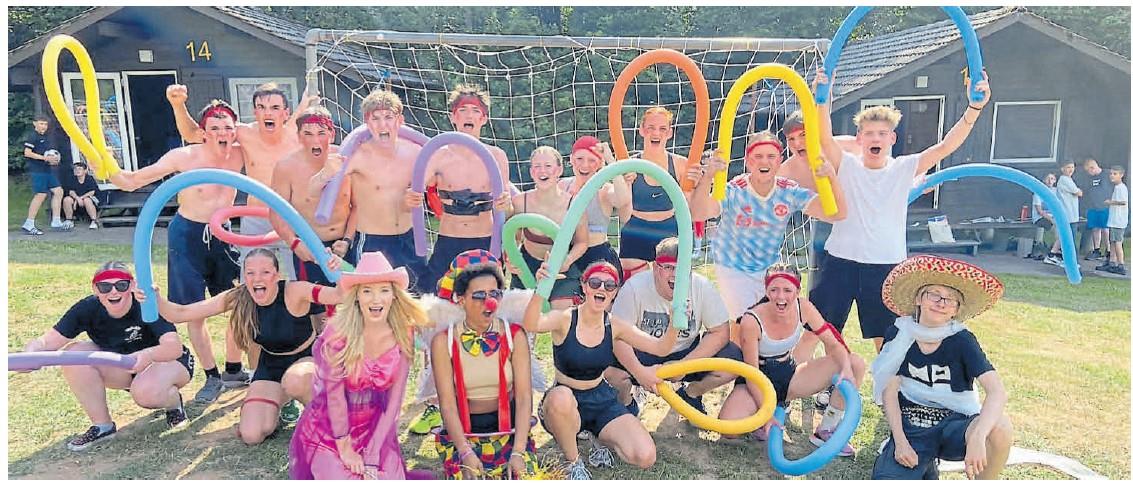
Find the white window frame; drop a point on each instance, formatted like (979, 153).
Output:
(128, 161)
(233, 92)
(1053, 141)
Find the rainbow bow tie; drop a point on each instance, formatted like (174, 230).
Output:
(478, 344)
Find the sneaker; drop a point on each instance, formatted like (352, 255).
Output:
(290, 412)
(577, 471)
(696, 402)
(600, 456)
(92, 436)
(821, 436)
(1104, 267)
(237, 379)
(93, 225)
(210, 392)
(584, 435)
(822, 399)
(176, 417)
(31, 230)
(1094, 255)
(428, 420)
(1118, 269)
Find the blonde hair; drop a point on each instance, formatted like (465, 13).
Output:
(473, 90)
(657, 110)
(380, 99)
(405, 314)
(244, 321)
(550, 151)
(884, 114)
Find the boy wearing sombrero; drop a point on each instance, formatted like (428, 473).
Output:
(925, 373)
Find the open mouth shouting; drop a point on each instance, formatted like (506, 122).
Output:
(467, 126)
(316, 151)
(875, 150)
(384, 136)
(781, 306)
(376, 311)
(116, 300)
(600, 298)
(655, 142)
(269, 124)
(259, 292)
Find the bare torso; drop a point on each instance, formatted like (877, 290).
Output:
(198, 203)
(296, 171)
(262, 151)
(379, 181)
(550, 204)
(458, 168)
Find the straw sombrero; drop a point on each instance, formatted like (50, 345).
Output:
(981, 289)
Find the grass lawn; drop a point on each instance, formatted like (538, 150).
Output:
(1062, 350)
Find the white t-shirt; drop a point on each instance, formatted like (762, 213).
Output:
(1119, 214)
(639, 302)
(1066, 193)
(877, 207)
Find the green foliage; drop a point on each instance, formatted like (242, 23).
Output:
(21, 110)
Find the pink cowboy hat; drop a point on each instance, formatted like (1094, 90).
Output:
(374, 268)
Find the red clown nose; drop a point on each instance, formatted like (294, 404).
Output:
(491, 304)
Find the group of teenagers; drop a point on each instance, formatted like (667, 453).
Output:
(343, 351)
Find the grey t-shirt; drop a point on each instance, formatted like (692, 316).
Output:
(639, 302)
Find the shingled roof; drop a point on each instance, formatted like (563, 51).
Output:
(346, 59)
(865, 62)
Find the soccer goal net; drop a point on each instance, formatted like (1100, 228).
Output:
(551, 90)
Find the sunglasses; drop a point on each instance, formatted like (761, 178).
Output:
(481, 295)
(105, 287)
(596, 283)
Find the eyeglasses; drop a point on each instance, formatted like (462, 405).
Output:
(937, 298)
(596, 283)
(668, 267)
(482, 295)
(105, 287)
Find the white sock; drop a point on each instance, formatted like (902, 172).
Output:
(830, 418)
(29, 223)
(55, 220)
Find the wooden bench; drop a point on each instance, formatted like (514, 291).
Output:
(971, 246)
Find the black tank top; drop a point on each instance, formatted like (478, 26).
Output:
(280, 331)
(581, 362)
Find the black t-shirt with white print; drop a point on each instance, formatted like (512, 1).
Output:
(954, 365)
(126, 335)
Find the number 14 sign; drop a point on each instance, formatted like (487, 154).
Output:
(201, 52)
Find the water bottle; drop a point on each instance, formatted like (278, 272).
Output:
(1025, 213)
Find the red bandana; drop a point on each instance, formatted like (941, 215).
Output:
(783, 275)
(469, 99)
(215, 108)
(606, 269)
(323, 121)
(778, 147)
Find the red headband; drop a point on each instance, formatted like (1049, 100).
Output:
(666, 259)
(783, 275)
(324, 121)
(603, 268)
(778, 147)
(109, 274)
(588, 143)
(469, 99)
(213, 110)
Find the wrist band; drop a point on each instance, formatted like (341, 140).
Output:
(974, 107)
(466, 452)
(315, 289)
(295, 243)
